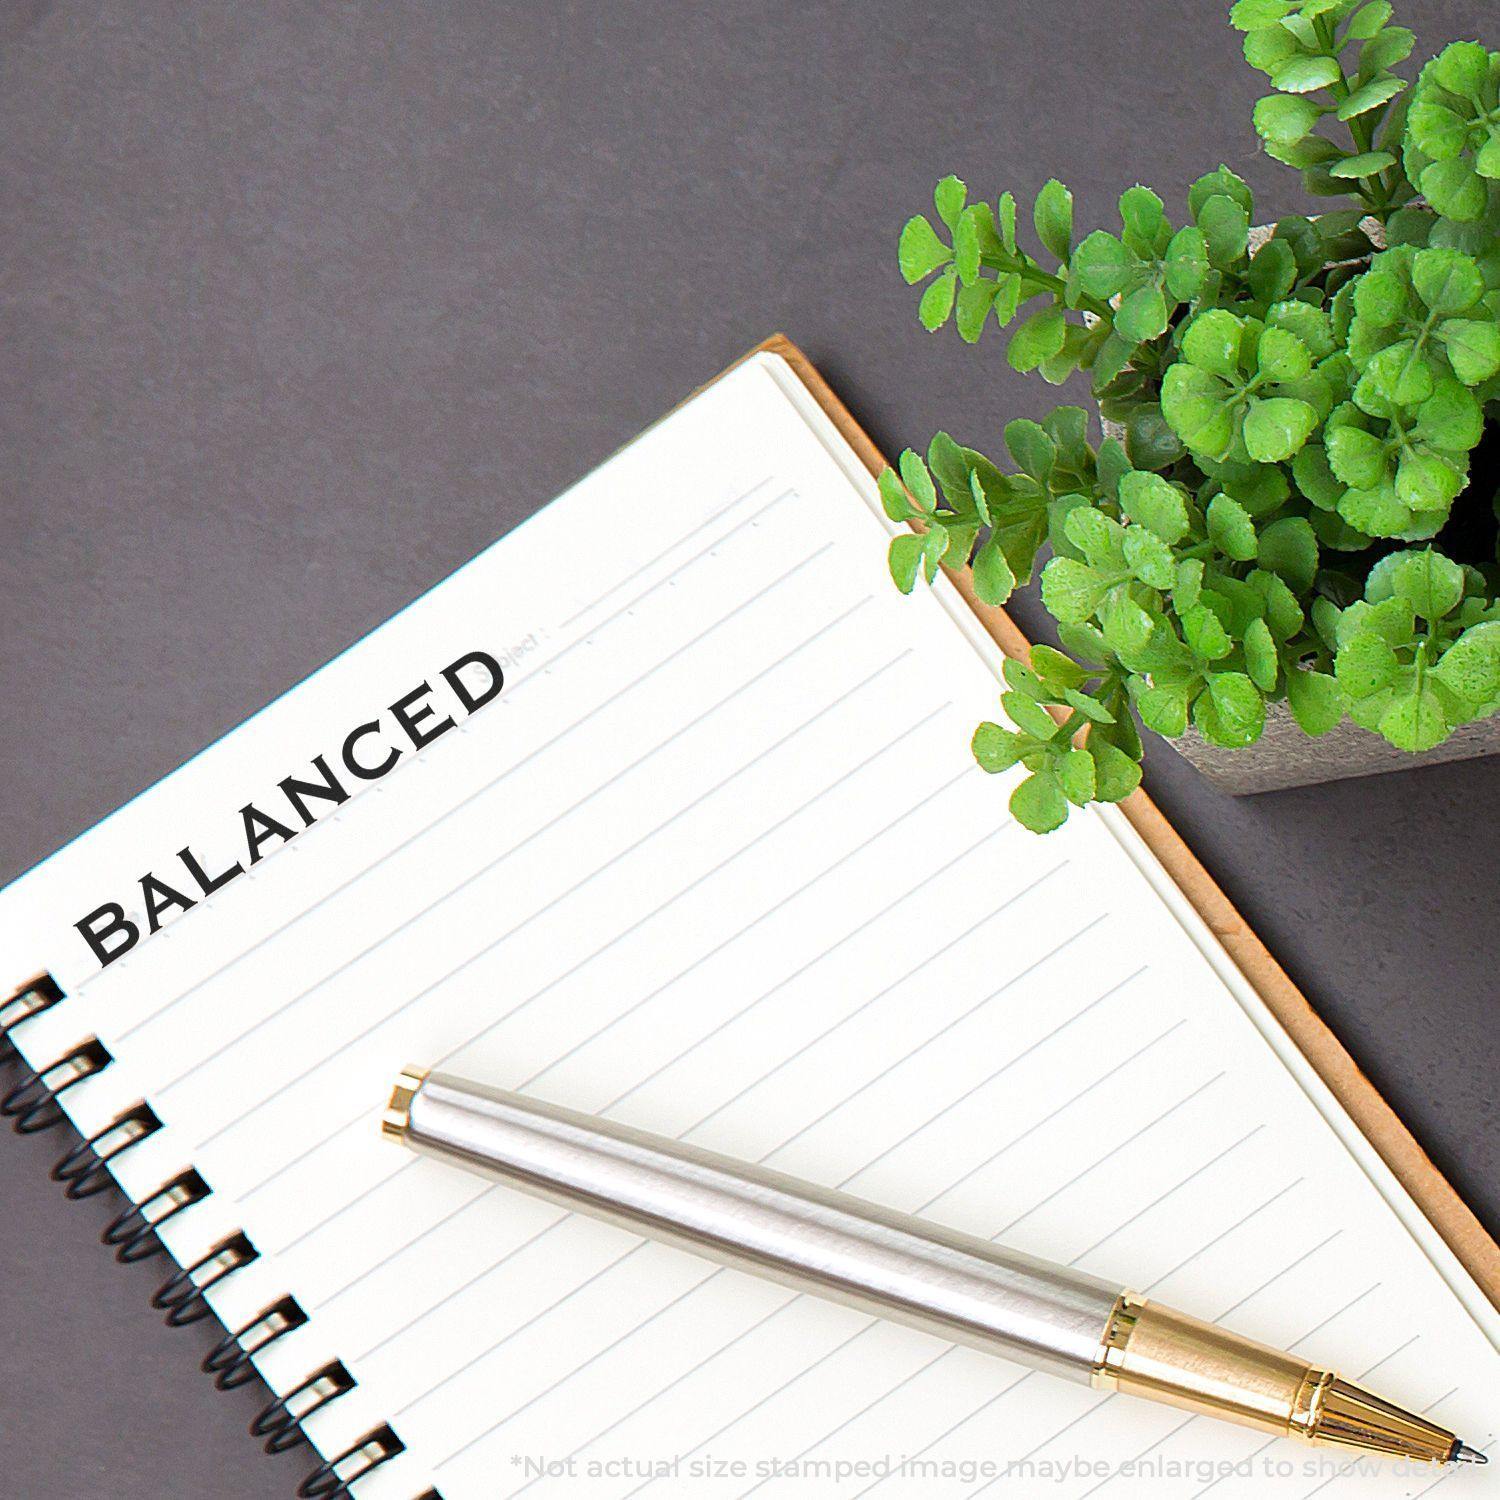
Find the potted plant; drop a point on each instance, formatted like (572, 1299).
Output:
(1292, 518)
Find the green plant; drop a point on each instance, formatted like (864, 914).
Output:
(1284, 508)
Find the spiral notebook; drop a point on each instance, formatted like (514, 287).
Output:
(663, 807)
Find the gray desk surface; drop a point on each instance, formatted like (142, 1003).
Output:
(302, 305)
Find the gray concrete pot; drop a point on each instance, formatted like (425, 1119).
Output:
(1285, 756)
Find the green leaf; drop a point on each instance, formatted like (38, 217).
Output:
(1470, 667)
(1385, 50)
(1454, 189)
(1149, 501)
(1285, 118)
(1231, 529)
(1053, 217)
(1212, 343)
(1101, 265)
(1357, 457)
(1142, 314)
(1379, 297)
(1196, 404)
(893, 497)
(1075, 774)
(997, 749)
(1029, 715)
(1127, 627)
(1096, 535)
(904, 559)
(1031, 448)
(1239, 707)
(946, 460)
(1289, 549)
(1071, 590)
(1371, 96)
(920, 252)
(1366, 164)
(1164, 709)
(1261, 659)
(1150, 442)
(949, 198)
(1281, 355)
(1252, 15)
(1273, 271)
(1473, 348)
(1315, 699)
(1462, 68)
(1189, 584)
(1427, 580)
(918, 481)
(1276, 428)
(937, 301)
(1415, 721)
(1367, 20)
(1302, 75)
(1451, 417)
(1282, 612)
(994, 580)
(1056, 669)
(1206, 637)
(974, 304)
(1186, 263)
(1037, 339)
(1143, 221)
(1426, 482)
(1116, 774)
(1039, 803)
(1446, 280)
(1005, 211)
(1226, 230)
(1149, 558)
(1365, 664)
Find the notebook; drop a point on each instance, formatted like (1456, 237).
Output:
(663, 807)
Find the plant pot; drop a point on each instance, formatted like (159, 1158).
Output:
(1284, 756)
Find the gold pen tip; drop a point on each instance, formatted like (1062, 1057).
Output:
(1464, 1454)
(397, 1116)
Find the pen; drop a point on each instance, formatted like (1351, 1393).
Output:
(954, 1285)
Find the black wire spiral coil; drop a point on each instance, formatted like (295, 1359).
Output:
(85, 1169)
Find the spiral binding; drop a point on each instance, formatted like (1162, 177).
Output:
(85, 1169)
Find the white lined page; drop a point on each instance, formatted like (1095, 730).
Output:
(717, 862)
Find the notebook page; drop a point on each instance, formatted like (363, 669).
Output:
(717, 862)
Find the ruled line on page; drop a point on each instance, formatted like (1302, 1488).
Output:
(424, 756)
(983, 921)
(407, 1002)
(734, 937)
(910, 811)
(926, 880)
(646, 567)
(385, 860)
(404, 1007)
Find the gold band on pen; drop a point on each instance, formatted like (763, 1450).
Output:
(1155, 1351)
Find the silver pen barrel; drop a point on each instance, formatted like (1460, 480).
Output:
(810, 1238)
(891, 1265)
